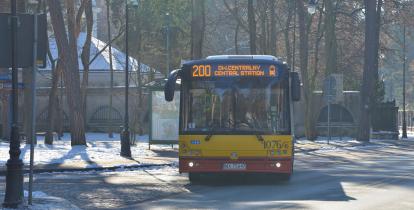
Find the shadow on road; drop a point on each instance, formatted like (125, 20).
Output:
(166, 153)
(304, 185)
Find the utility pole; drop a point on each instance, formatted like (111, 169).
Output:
(111, 135)
(14, 175)
(125, 137)
(404, 126)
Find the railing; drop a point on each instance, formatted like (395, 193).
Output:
(409, 119)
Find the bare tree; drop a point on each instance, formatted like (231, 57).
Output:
(252, 27)
(86, 52)
(307, 79)
(67, 49)
(197, 28)
(330, 37)
(273, 35)
(370, 75)
(53, 100)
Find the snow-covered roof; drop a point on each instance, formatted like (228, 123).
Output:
(101, 63)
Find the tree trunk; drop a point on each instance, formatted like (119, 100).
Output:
(304, 56)
(252, 27)
(236, 39)
(291, 7)
(262, 18)
(67, 48)
(236, 32)
(370, 75)
(330, 38)
(273, 37)
(53, 103)
(85, 55)
(197, 29)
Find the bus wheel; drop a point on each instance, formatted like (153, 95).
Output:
(194, 177)
(285, 177)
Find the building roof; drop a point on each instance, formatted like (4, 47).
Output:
(101, 63)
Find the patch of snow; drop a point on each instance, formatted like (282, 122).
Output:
(42, 201)
(100, 148)
(35, 194)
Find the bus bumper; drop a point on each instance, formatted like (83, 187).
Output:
(189, 165)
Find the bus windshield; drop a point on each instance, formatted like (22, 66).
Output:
(237, 106)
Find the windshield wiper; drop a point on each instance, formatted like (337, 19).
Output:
(259, 137)
(208, 137)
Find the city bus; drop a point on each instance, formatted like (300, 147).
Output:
(235, 115)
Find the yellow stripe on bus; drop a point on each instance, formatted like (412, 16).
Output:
(235, 146)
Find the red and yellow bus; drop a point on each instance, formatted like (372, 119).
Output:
(235, 115)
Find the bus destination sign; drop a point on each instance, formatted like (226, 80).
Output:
(233, 70)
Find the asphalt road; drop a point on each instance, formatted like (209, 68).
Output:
(369, 177)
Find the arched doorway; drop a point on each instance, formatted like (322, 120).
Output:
(104, 119)
(342, 122)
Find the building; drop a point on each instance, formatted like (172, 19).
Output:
(100, 116)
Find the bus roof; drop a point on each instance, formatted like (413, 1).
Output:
(254, 57)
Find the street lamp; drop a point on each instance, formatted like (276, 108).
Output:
(404, 125)
(14, 176)
(312, 6)
(167, 34)
(125, 136)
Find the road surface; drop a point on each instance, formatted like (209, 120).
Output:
(378, 176)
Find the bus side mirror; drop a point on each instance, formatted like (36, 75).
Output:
(295, 86)
(169, 87)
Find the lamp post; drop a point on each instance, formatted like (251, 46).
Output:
(14, 176)
(125, 136)
(111, 67)
(404, 125)
(125, 141)
(167, 34)
(312, 4)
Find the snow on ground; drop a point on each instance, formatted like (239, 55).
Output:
(100, 148)
(410, 135)
(321, 144)
(42, 201)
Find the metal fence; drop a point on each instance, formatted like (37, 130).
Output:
(409, 117)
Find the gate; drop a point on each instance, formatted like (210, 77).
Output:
(384, 121)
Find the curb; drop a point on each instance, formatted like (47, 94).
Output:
(74, 169)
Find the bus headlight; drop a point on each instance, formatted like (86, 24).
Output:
(190, 164)
(278, 165)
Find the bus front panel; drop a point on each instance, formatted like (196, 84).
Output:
(236, 153)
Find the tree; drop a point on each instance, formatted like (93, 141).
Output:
(53, 99)
(197, 28)
(330, 38)
(67, 50)
(308, 77)
(252, 27)
(370, 74)
(86, 52)
(273, 35)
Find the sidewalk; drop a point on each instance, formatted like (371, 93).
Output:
(42, 201)
(101, 153)
(321, 144)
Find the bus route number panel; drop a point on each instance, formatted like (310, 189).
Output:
(234, 70)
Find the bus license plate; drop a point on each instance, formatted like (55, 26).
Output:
(234, 166)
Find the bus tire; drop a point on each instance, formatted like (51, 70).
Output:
(194, 177)
(285, 177)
